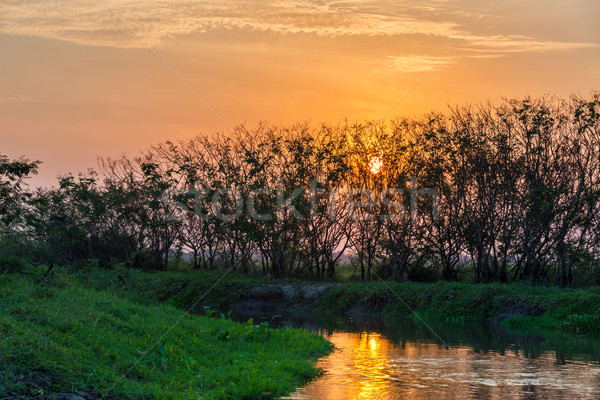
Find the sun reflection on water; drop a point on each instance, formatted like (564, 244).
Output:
(367, 365)
(370, 359)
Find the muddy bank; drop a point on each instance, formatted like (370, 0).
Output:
(279, 298)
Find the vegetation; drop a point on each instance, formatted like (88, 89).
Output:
(511, 192)
(582, 322)
(520, 304)
(517, 305)
(76, 338)
(484, 194)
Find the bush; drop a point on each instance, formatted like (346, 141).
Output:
(582, 322)
(10, 263)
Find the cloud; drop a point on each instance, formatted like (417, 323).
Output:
(80, 22)
(415, 63)
(520, 44)
(14, 98)
(92, 23)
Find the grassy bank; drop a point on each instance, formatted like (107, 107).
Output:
(101, 331)
(180, 289)
(518, 305)
(72, 337)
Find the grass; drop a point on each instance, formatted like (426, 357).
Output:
(562, 309)
(451, 301)
(178, 288)
(81, 338)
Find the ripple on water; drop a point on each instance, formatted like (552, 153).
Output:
(368, 365)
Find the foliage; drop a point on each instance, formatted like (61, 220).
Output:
(12, 194)
(582, 322)
(455, 301)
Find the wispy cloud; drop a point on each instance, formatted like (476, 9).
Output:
(91, 23)
(415, 63)
(14, 98)
(80, 22)
(520, 44)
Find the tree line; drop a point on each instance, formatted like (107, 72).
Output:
(499, 192)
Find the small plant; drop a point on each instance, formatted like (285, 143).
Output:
(209, 313)
(582, 322)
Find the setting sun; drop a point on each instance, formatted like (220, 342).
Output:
(375, 165)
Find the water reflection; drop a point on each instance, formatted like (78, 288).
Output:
(403, 360)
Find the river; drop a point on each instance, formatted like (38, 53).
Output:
(405, 359)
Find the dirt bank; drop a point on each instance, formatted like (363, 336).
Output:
(279, 298)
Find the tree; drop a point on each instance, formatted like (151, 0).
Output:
(13, 196)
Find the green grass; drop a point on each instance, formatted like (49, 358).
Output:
(178, 288)
(565, 309)
(80, 338)
(453, 301)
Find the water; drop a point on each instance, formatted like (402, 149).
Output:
(403, 359)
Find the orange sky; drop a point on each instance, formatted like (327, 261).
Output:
(82, 79)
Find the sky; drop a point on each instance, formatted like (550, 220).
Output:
(81, 79)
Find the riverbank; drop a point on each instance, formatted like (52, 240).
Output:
(516, 305)
(92, 332)
(63, 339)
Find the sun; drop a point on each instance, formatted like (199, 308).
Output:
(375, 165)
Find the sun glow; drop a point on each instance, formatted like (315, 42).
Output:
(375, 165)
